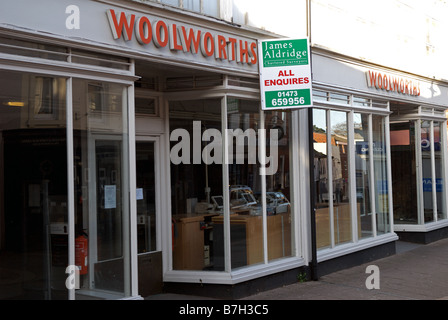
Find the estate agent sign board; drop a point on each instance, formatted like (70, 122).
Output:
(285, 74)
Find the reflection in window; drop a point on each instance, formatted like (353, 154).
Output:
(145, 106)
(278, 188)
(362, 164)
(340, 175)
(321, 178)
(208, 7)
(439, 171)
(380, 174)
(196, 185)
(246, 228)
(211, 7)
(403, 162)
(95, 97)
(102, 183)
(334, 194)
(433, 200)
(175, 3)
(44, 100)
(33, 187)
(426, 141)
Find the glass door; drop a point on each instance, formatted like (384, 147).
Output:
(149, 254)
(146, 196)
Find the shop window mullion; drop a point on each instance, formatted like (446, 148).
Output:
(352, 175)
(372, 175)
(262, 151)
(225, 188)
(125, 217)
(389, 173)
(419, 175)
(298, 184)
(444, 151)
(133, 190)
(433, 172)
(70, 181)
(330, 180)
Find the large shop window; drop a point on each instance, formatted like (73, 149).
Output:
(350, 170)
(199, 210)
(33, 186)
(196, 185)
(418, 171)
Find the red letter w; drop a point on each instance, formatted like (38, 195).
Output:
(117, 27)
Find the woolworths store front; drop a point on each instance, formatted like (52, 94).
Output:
(113, 157)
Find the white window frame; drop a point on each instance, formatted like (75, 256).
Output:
(437, 223)
(356, 244)
(246, 273)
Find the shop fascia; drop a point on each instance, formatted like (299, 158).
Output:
(388, 82)
(178, 37)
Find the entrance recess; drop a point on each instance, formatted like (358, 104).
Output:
(149, 254)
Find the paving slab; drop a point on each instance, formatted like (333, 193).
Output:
(416, 272)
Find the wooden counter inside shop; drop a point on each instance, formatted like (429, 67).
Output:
(247, 237)
(189, 241)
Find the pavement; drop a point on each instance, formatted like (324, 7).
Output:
(415, 272)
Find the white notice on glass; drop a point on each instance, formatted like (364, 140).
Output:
(110, 198)
(139, 194)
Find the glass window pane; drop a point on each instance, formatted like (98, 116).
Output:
(102, 183)
(193, 5)
(380, 174)
(99, 59)
(278, 186)
(361, 102)
(146, 197)
(145, 106)
(404, 175)
(321, 178)
(32, 49)
(246, 228)
(363, 174)
(320, 95)
(438, 154)
(211, 7)
(196, 185)
(339, 98)
(340, 173)
(171, 2)
(426, 138)
(33, 187)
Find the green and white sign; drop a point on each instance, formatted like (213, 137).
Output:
(285, 74)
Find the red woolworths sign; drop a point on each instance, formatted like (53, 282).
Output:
(181, 38)
(392, 83)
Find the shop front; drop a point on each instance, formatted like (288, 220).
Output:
(379, 157)
(135, 156)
